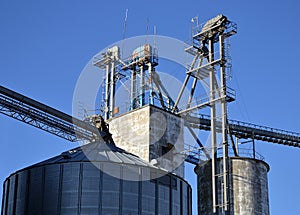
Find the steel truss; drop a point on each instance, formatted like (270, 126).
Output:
(44, 117)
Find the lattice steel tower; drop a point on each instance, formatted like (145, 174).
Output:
(209, 62)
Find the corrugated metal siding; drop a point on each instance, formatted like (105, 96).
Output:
(60, 186)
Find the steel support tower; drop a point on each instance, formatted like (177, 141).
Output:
(141, 65)
(108, 61)
(145, 84)
(208, 49)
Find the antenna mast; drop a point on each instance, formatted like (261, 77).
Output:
(124, 30)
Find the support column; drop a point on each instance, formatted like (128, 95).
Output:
(224, 125)
(142, 88)
(112, 90)
(213, 127)
(107, 92)
(151, 98)
(133, 90)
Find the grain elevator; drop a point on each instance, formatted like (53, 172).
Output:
(133, 162)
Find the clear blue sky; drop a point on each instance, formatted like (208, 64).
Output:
(44, 45)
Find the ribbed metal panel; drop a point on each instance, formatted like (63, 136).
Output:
(71, 184)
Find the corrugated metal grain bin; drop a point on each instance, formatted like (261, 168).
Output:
(106, 181)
